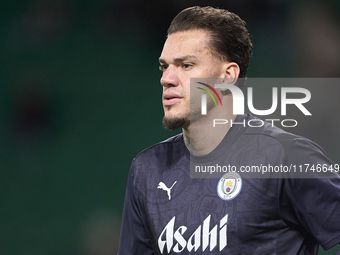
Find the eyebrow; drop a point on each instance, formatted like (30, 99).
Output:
(180, 59)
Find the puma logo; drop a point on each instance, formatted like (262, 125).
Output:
(162, 186)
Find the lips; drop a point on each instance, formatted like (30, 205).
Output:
(170, 98)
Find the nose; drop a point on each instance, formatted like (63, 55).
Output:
(169, 77)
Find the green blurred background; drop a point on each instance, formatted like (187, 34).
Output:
(80, 97)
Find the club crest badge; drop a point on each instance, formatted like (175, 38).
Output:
(229, 186)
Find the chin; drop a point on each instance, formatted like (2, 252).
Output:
(174, 122)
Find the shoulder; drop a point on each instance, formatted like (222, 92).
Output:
(155, 162)
(268, 133)
(159, 156)
(162, 147)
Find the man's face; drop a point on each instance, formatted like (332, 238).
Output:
(185, 55)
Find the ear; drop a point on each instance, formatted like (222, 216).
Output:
(231, 72)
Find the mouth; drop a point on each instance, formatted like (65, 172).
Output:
(171, 100)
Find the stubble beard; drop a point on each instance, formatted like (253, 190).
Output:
(174, 123)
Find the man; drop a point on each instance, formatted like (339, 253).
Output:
(167, 212)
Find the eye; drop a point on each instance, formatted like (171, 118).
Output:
(163, 67)
(186, 66)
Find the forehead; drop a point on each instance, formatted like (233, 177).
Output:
(191, 42)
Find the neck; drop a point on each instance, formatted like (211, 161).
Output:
(201, 137)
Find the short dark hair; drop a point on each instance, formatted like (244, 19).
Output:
(229, 40)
